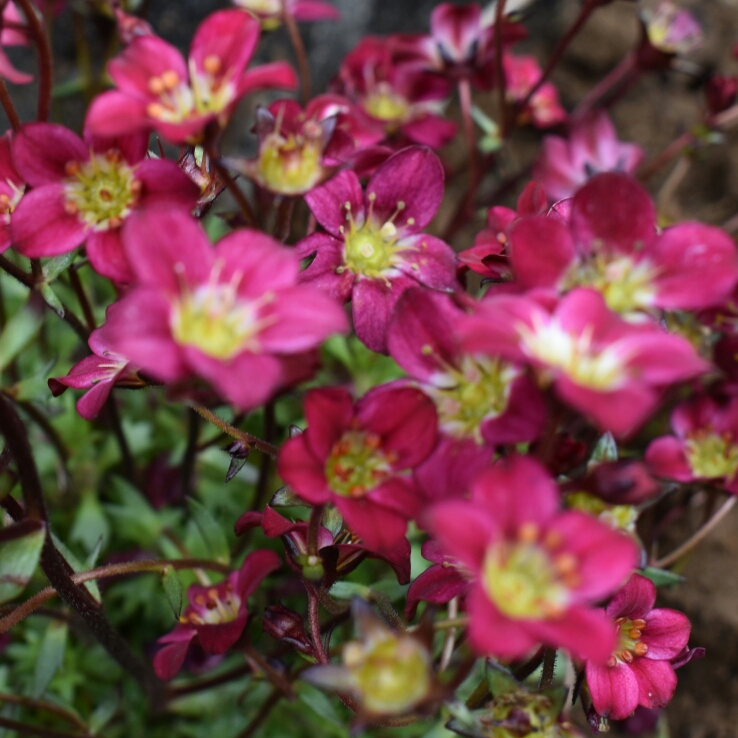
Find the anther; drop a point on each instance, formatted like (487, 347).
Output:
(634, 633)
(170, 79)
(528, 532)
(212, 64)
(626, 656)
(70, 208)
(72, 168)
(641, 649)
(156, 86)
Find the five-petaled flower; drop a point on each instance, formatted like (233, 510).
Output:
(375, 248)
(535, 570)
(639, 670)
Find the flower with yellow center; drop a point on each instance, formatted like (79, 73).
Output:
(711, 455)
(356, 464)
(289, 166)
(101, 191)
(386, 105)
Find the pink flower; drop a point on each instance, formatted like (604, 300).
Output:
(298, 149)
(521, 74)
(705, 446)
(10, 36)
(159, 90)
(357, 456)
(460, 44)
(269, 12)
(535, 569)
(394, 97)
(639, 671)
(608, 369)
(375, 248)
(233, 314)
(12, 187)
(439, 583)
(564, 166)
(99, 373)
(479, 398)
(83, 192)
(609, 242)
(216, 615)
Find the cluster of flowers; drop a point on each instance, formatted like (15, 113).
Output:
(483, 444)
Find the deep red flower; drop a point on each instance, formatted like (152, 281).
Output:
(375, 247)
(233, 314)
(357, 456)
(159, 90)
(216, 616)
(639, 671)
(84, 191)
(535, 570)
(12, 187)
(521, 74)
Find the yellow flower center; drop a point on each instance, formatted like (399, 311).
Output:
(711, 455)
(525, 580)
(101, 191)
(390, 674)
(290, 166)
(619, 517)
(482, 391)
(626, 285)
(550, 344)
(385, 104)
(8, 201)
(357, 464)
(217, 605)
(215, 320)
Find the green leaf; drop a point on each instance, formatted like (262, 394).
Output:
(52, 268)
(20, 330)
(18, 561)
(210, 530)
(77, 566)
(50, 657)
(662, 577)
(500, 680)
(318, 703)
(102, 716)
(51, 299)
(332, 520)
(286, 497)
(91, 527)
(172, 590)
(349, 590)
(606, 448)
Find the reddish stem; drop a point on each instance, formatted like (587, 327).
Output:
(45, 60)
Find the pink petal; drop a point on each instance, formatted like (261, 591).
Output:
(230, 36)
(328, 202)
(378, 527)
(541, 251)
(429, 261)
(144, 58)
(615, 209)
(169, 659)
(42, 150)
(90, 404)
(42, 227)
(666, 633)
(313, 10)
(633, 601)
(413, 176)
(329, 412)
(115, 113)
(267, 76)
(299, 468)
(614, 689)
(666, 457)
(255, 567)
(9, 72)
(656, 682)
(524, 418)
(219, 637)
(164, 182)
(437, 584)
(105, 252)
(430, 130)
(327, 271)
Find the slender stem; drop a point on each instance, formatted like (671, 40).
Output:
(277, 679)
(265, 466)
(104, 572)
(316, 515)
(558, 52)
(527, 668)
(549, 667)
(45, 60)
(32, 704)
(240, 435)
(499, 66)
(314, 620)
(302, 60)
(479, 694)
(16, 272)
(451, 622)
(673, 149)
(465, 102)
(698, 537)
(9, 107)
(84, 302)
(450, 640)
(615, 77)
(230, 183)
(262, 714)
(210, 682)
(26, 729)
(115, 424)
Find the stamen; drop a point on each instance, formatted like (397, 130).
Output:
(212, 64)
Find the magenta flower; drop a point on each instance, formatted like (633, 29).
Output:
(639, 671)
(269, 12)
(357, 457)
(159, 90)
(375, 248)
(608, 369)
(543, 109)
(98, 373)
(705, 446)
(12, 34)
(609, 242)
(83, 192)
(535, 570)
(216, 616)
(233, 314)
(478, 397)
(461, 45)
(12, 187)
(395, 98)
(563, 166)
(298, 149)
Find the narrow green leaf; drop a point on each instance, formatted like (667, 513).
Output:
(77, 566)
(50, 657)
(172, 590)
(51, 299)
(18, 561)
(662, 577)
(102, 716)
(318, 703)
(20, 330)
(52, 268)
(91, 527)
(348, 590)
(210, 530)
